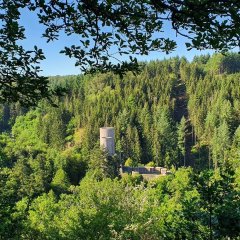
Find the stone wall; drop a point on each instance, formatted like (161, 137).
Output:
(145, 170)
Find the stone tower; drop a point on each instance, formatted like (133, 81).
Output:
(107, 139)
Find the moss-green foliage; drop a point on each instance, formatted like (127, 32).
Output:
(179, 206)
(56, 183)
(218, 63)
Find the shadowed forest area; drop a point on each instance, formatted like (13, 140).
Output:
(56, 183)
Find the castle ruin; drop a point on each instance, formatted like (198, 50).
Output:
(107, 142)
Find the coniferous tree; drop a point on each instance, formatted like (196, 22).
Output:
(182, 138)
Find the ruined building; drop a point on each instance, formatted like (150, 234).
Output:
(107, 142)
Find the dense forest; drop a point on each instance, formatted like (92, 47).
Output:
(57, 183)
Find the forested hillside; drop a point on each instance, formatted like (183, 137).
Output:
(56, 183)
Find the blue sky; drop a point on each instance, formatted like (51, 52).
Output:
(59, 64)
